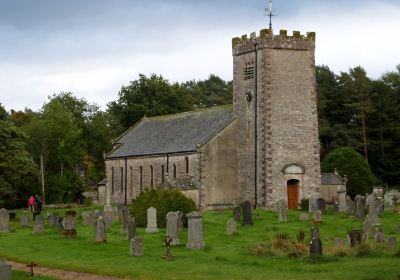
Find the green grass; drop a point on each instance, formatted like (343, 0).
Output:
(20, 275)
(225, 257)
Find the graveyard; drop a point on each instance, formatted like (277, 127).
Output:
(270, 246)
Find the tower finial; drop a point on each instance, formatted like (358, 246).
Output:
(269, 13)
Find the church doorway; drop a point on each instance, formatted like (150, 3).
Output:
(293, 193)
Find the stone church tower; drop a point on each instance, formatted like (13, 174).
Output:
(275, 102)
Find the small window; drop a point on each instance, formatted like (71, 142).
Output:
(112, 180)
(187, 165)
(122, 180)
(162, 173)
(141, 178)
(151, 176)
(174, 171)
(248, 71)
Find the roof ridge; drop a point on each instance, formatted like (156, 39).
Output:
(191, 112)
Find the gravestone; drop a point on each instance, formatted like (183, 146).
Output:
(303, 216)
(339, 242)
(355, 237)
(131, 228)
(152, 220)
(195, 230)
(342, 201)
(5, 271)
(88, 218)
(379, 236)
(38, 226)
(312, 204)
(392, 242)
(359, 212)
(25, 220)
(315, 247)
(349, 205)
(172, 228)
(125, 217)
(108, 217)
(4, 221)
(114, 212)
(12, 214)
(100, 230)
(282, 211)
(60, 223)
(367, 230)
(136, 247)
(231, 227)
(380, 206)
(247, 218)
(120, 211)
(236, 212)
(372, 214)
(180, 220)
(317, 216)
(69, 223)
(321, 205)
(314, 232)
(52, 219)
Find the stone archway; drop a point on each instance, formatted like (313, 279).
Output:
(293, 193)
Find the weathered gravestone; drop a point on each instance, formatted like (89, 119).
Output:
(231, 227)
(282, 210)
(172, 228)
(317, 216)
(303, 216)
(38, 226)
(25, 220)
(312, 204)
(321, 205)
(236, 212)
(125, 217)
(88, 218)
(247, 218)
(52, 219)
(314, 232)
(195, 230)
(131, 228)
(379, 236)
(339, 242)
(342, 201)
(136, 247)
(354, 237)
(392, 242)
(180, 220)
(372, 214)
(4, 221)
(152, 220)
(69, 223)
(5, 271)
(315, 247)
(367, 230)
(380, 206)
(349, 206)
(100, 230)
(359, 212)
(108, 217)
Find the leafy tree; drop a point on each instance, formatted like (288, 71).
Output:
(350, 163)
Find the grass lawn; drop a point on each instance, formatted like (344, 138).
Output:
(224, 257)
(21, 275)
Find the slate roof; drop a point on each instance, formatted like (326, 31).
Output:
(182, 132)
(331, 179)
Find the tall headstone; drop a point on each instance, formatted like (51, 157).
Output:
(108, 217)
(236, 212)
(367, 230)
(172, 228)
(317, 216)
(5, 271)
(231, 227)
(195, 230)
(131, 228)
(321, 206)
(282, 211)
(379, 236)
(152, 220)
(38, 226)
(380, 206)
(355, 237)
(100, 230)
(69, 223)
(88, 218)
(372, 214)
(246, 212)
(4, 221)
(314, 232)
(136, 247)
(315, 247)
(360, 206)
(312, 204)
(342, 201)
(392, 242)
(125, 217)
(25, 220)
(349, 205)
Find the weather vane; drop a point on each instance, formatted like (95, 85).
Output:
(269, 13)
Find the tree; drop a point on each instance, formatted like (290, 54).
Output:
(350, 163)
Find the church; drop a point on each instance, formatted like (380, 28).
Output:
(262, 148)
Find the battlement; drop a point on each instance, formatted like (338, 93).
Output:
(267, 39)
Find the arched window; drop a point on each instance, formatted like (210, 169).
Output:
(187, 165)
(162, 173)
(112, 180)
(141, 178)
(131, 178)
(151, 176)
(122, 180)
(174, 171)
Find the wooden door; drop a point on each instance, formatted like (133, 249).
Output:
(293, 192)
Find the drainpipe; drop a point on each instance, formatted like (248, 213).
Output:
(255, 123)
(126, 181)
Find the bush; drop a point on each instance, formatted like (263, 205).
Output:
(164, 201)
(348, 162)
(304, 204)
(364, 250)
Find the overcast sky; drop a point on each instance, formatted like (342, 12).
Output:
(93, 47)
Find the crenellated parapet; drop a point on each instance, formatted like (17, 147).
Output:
(267, 39)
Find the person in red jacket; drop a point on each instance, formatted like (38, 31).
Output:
(31, 203)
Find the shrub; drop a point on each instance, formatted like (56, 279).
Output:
(304, 204)
(364, 250)
(164, 201)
